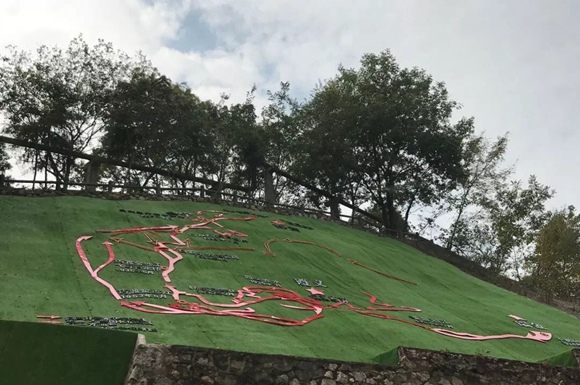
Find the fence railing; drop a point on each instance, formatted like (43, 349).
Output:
(193, 192)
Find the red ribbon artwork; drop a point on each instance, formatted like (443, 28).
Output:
(241, 305)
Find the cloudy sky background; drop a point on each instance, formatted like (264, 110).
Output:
(514, 65)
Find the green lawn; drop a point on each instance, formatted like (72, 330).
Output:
(40, 354)
(41, 273)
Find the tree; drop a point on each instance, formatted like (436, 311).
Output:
(556, 260)
(324, 156)
(500, 236)
(152, 121)
(233, 133)
(280, 129)
(482, 165)
(4, 158)
(58, 98)
(396, 124)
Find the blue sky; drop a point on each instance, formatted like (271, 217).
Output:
(195, 34)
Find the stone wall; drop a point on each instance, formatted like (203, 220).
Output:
(182, 365)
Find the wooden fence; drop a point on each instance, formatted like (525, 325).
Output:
(157, 191)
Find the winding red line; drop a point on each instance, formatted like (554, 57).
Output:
(252, 295)
(94, 273)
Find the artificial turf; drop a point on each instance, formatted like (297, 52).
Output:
(41, 273)
(41, 354)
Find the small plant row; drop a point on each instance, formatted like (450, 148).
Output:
(328, 298)
(220, 238)
(263, 281)
(213, 257)
(107, 320)
(213, 291)
(433, 322)
(303, 282)
(153, 296)
(167, 215)
(111, 323)
(526, 324)
(284, 227)
(130, 270)
(299, 225)
(569, 342)
(143, 291)
(137, 265)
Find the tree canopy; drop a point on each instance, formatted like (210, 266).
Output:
(379, 136)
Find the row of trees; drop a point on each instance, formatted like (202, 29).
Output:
(378, 135)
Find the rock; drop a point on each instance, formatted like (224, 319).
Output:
(328, 374)
(306, 365)
(333, 367)
(207, 380)
(444, 381)
(455, 381)
(341, 378)
(424, 377)
(202, 361)
(344, 368)
(282, 366)
(282, 380)
(294, 382)
(238, 365)
(359, 376)
(326, 381)
(229, 381)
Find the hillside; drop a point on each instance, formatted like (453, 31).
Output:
(42, 273)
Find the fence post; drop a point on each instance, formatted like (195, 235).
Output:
(158, 190)
(92, 175)
(334, 208)
(269, 192)
(2, 180)
(110, 187)
(202, 191)
(235, 198)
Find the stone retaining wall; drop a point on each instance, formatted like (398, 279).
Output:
(182, 365)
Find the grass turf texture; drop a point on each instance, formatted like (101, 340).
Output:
(41, 273)
(41, 354)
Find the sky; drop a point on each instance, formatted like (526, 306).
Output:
(513, 65)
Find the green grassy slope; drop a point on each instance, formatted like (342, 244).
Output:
(44, 354)
(41, 273)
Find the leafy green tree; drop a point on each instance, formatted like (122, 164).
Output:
(324, 156)
(58, 98)
(280, 129)
(500, 235)
(396, 126)
(517, 214)
(556, 260)
(238, 149)
(482, 162)
(152, 121)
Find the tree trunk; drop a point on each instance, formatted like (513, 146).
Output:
(391, 217)
(35, 169)
(407, 213)
(462, 207)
